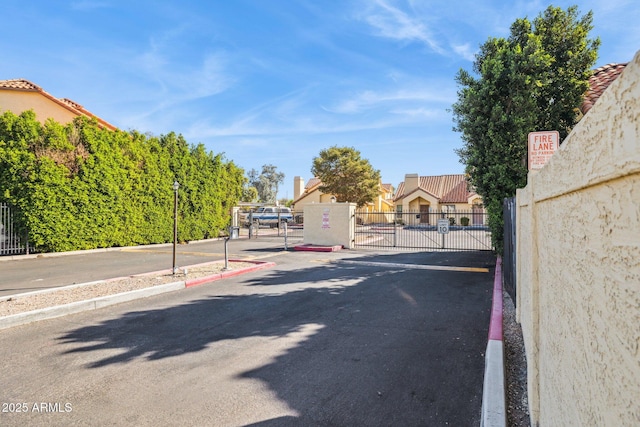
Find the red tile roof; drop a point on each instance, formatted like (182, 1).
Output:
(20, 84)
(600, 80)
(27, 86)
(447, 188)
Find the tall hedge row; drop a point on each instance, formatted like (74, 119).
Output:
(79, 186)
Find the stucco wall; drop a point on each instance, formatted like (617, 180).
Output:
(329, 224)
(19, 101)
(578, 268)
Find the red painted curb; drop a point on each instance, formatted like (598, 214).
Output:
(200, 280)
(495, 327)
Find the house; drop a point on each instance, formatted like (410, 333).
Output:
(303, 195)
(599, 81)
(422, 199)
(19, 95)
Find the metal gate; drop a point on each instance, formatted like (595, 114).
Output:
(464, 231)
(290, 232)
(12, 242)
(509, 255)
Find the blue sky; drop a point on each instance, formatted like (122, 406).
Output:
(276, 81)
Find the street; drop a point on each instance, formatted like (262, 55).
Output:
(348, 338)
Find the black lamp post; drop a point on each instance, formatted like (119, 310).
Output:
(176, 185)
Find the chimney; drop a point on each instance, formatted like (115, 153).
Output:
(411, 182)
(298, 187)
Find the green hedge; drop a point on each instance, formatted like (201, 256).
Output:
(79, 186)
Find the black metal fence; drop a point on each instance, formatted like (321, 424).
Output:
(509, 255)
(292, 229)
(12, 240)
(452, 230)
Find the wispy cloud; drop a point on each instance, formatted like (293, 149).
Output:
(394, 23)
(465, 51)
(297, 114)
(368, 99)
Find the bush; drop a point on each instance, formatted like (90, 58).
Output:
(80, 186)
(452, 221)
(464, 221)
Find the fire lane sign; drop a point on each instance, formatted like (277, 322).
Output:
(542, 145)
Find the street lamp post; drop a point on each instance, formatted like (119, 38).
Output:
(176, 185)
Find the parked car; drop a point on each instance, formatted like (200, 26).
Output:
(269, 215)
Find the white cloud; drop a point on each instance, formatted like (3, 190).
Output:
(391, 22)
(465, 51)
(368, 100)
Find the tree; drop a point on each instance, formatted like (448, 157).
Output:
(346, 175)
(249, 194)
(534, 80)
(266, 183)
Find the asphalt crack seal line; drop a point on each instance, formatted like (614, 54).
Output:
(418, 266)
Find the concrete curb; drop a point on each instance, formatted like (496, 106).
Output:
(100, 302)
(318, 248)
(100, 250)
(494, 412)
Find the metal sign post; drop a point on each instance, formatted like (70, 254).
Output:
(443, 228)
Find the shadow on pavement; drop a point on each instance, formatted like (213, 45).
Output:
(390, 345)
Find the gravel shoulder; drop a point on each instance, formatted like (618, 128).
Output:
(515, 367)
(22, 303)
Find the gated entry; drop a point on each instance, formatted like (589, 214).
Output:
(291, 230)
(419, 230)
(12, 241)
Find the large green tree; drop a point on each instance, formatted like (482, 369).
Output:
(346, 175)
(532, 81)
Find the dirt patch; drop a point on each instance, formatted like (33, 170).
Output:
(75, 293)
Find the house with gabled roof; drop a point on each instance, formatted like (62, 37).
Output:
(311, 193)
(19, 95)
(426, 195)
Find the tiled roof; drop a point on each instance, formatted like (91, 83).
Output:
(447, 188)
(312, 183)
(19, 84)
(458, 194)
(27, 86)
(600, 80)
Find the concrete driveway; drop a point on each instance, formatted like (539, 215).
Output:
(342, 339)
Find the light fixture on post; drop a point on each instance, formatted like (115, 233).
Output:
(176, 185)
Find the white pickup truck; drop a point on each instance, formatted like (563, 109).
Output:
(269, 215)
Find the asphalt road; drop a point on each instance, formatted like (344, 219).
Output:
(33, 273)
(340, 339)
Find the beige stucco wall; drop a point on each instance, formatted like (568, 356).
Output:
(329, 224)
(578, 268)
(19, 101)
